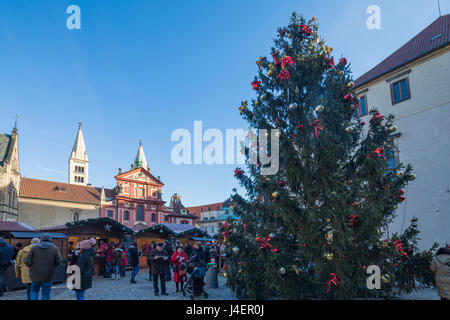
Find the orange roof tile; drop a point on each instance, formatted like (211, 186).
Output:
(53, 190)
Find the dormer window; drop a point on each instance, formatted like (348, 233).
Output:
(61, 189)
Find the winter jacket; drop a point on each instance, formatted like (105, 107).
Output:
(134, 255)
(125, 258)
(110, 255)
(176, 260)
(158, 264)
(202, 254)
(86, 270)
(22, 271)
(440, 265)
(169, 250)
(42, 261)
(102, 250)
(188, 250)
(118, 256)
(6, 253)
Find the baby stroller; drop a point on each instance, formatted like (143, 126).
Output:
(195, 274)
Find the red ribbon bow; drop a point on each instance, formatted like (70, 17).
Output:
(333, 281)
(354, 219)
(377, 116)
(264, 243)
(378, 152)
(317, 126)
(399, 246)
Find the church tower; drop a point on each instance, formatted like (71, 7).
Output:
(78, 161)
(140, 161)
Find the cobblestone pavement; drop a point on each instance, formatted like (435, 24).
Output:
(107, 289)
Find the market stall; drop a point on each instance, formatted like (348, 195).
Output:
(165, 231)
(15, 232)
(102, 229)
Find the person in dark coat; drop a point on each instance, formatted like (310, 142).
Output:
(6, 253)
(134, 254)
(159, 259)
(42, 261)
(149, 261)
(17, 248)
(168, 248)
(85, 263)
(201, 253)
(188, 250)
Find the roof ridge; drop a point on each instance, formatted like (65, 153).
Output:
(413, 49)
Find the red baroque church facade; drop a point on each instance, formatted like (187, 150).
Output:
(136, 201)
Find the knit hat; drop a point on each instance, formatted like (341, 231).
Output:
(92, 241)
(35, 241)
(86, 244)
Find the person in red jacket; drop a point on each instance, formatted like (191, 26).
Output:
(124, 261)
(102, 257)
(177, 259)
(109, 259)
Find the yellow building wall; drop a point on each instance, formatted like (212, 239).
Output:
(48, 213)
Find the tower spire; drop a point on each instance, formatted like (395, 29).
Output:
(78, 161)
(140, 161)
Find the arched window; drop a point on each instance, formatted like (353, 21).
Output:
(76, 216)
(166, 218)
(126, 216)
(140, 213)
(153, 217)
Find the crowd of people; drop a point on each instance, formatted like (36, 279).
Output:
(36, 263)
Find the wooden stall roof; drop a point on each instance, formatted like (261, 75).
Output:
(15, 226)
(173, 229)
(107, 223)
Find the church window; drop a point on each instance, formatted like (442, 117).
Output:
(110, 214)
(126, 216)
(76, 216)
(166, 218)
(153, 217)
(140, 213)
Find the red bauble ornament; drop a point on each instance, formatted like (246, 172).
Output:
(255, 84)
(284, 75)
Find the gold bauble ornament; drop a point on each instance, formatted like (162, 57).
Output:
(263, 97)
(386, 278)
(341, 73)
(289, 35)
(399, 174)
(270, 73)
(292, 106)
(412, 177)
(275, 194)
(225, 275)
(392, 129)
(319, 108)
(297, 271)
(349, 129)
(314, 19)
(256, 103)
(350, 84)
(329, 236)
(329, 256)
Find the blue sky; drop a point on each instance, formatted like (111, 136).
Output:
(141, 69)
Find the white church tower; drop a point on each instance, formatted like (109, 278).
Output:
(78, 161)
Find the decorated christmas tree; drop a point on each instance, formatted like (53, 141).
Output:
(312, 229)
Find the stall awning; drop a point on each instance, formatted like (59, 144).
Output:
(30, 235)
(203, 239)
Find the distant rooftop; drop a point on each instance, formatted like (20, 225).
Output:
(432, 38)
